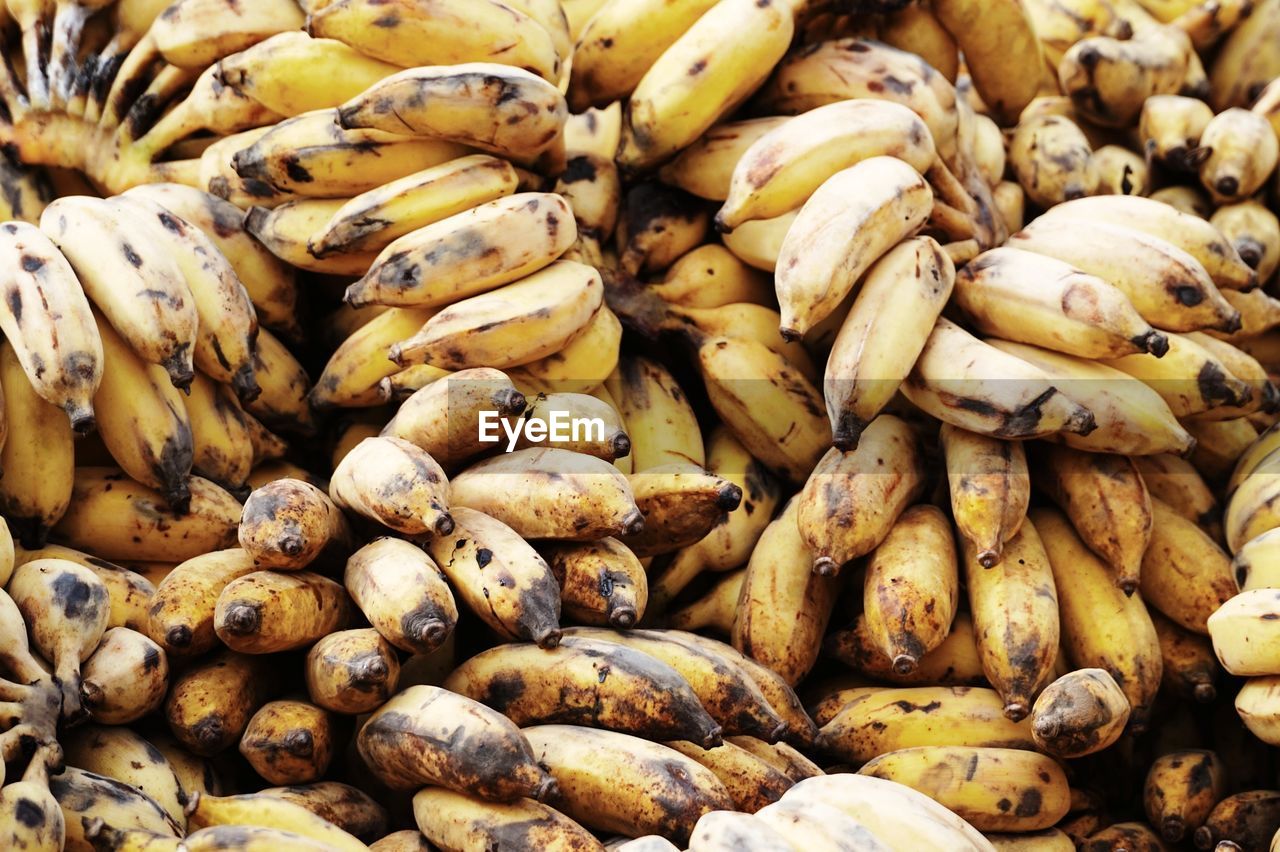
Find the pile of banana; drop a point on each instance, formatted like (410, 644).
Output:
(639, 425)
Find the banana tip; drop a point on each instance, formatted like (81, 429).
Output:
(291, 545)
(633, 522)
(1128, 585)
(178, 637)
(82, 420)
(624, 616)
(1173, 829)
(777, 734)
(825, 566)
(722, 225)
(241, 619)
(1154, 342)
(551, 639)
(547, 789)
(989, 558)
(621, 445)
(444, 524)
(1015, 711)
(713, 738)
(790, 335)
(905, 664)
(848, 433)
(1205, 693)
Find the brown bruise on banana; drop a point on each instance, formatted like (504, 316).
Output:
(602, 583)
(675, 514)
(289, 524)
(587, 682)
(289, 742)
(352, 671)
(659, 224)
(266, 611)
(83, 794)
(426, 735)
(1079, 714)
(752, 783)
(209, 706)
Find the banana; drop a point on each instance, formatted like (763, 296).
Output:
(1252, 566)
(1259, 313)
(121, 754)
(289, 742)
(730, 544)
(37, 454)
(1253, 706)
(1076, 313)
(781, 756)
(1080, 713)
(16, 655)
(217, 175)
(1219, 443)
(1190, 378)
(1002, 56)
(780, 421)
(1176, 483)
(951, 381)
(911, 591)
(267, 611)
(1255, 232)
(125, 678)
(572, 496)
(402, 593)
(717, 610)
(208, 813)
(781, 612)
(444, 418)
(583, 365)
(1035, 781)
(268, 281)
(705, 167)
(905, 290)
(719, 831)
(849, 505)
(373, 220)
(222, 445)
(1193, 235)
(1130, 416)
(407, 840)
(1101, 626)
(228, 324)
(31, 818)
(591, 185)
(352, 671)
(1052, 160)
(990, 489)
(1185, 199)
(441, 32)
(1242, 66)
(143, 421)
(428, 735)
(1120, 171)
(1185, 574)
(657, 415)
(285, 230)
(197, 33)
(784, 167)
(615, 782)
(1190, 668)
(680, 503)
(1241, 152)
(1247, 820)
(606, 439)
(1170, 127)
(352, 810)
(182, 608)
(1248, 613)
(282, 73)
(953, 663)
(671, 107)
(752, 783)
(1015, 616)
(122, 520)
(454, 820)
(394, 483)
(638, 695)
(1242, 365)
(759, 242)
(289, 524)
(140, 290)
(816, 271)
(210, 704)
(1107, 502)
(64, 365)
(84, 796)
(657, 224)
(502, 110)
(1108, 79)
(1181, 790)
(601, 582)
(27, 192)
(989, 151)
(352, 375)
(499, 576)
(618, 44)
(130, 592)
(67, 608)
(818, 826)
(1167, 286)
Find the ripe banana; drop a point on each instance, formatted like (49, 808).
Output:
(1190, 378)
(1106, 501)
(849, 504)
(441, 32)
(1052, 160)
(1170, 127)
(597, 771)
(30, 816)
(1241, 153)
(1108, 79)
(85, 795)
(1180, 791)
(352, 671)
(1239, 629)
(1176, 483)
(263, 811)
(1080, 713)
(814, 825)
(402, 593)
(499, 576)
(1101, 626)
(459, 820)
(182, 608)
(197, 33)
(1243, 66)
(222, 443)
(815, 270)
(990, 490)
(347, 807)
(210, 704)
(583, 365)
(394, 483)
(1190, 668)
(1064, 310)
(1185, 574)
(705, 167)
(602, 583)
(495, 108)
(586, 681)
(701, 77)
(444, 418)
(1015, 616)
(123, 755)
(1255, 232)
(1246, 819)
(125, 678)
(951, 380)
(268, 611)
(906, 291)
(752, 783)
(1002, 55)
(657, 415)
(285, 229)
(716, 610)
(1034, 784)
(289, 742)
(63, 365)
(428, 735)
(289, 524)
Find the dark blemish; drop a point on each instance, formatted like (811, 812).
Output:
(1029, 803)
(31, 264)
(132, 256)
(14, 299)
(151, 659)
(29, 813)
(483, 556)
(75, 597)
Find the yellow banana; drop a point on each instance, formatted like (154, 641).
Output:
(1185, 574)
(1255, 232)
(265, 811)
(402, 593)
(1190, 669)
(1176, 483)
(125, 679)
(289, 742)
(394, 483)
(1108, 79)
(197, 33)
(1181, 790)
(121, 754)
(601, 582)
(182, 608)
(1190, 378)
(990, 489)
(352, 671)
(1080, 713)
(1241, 153)
(1243, 65)
(1170, 127)
(290, 524)
(268, 611)
(1052, 160)
(222, 443)
(461, 820)
(705, 167)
